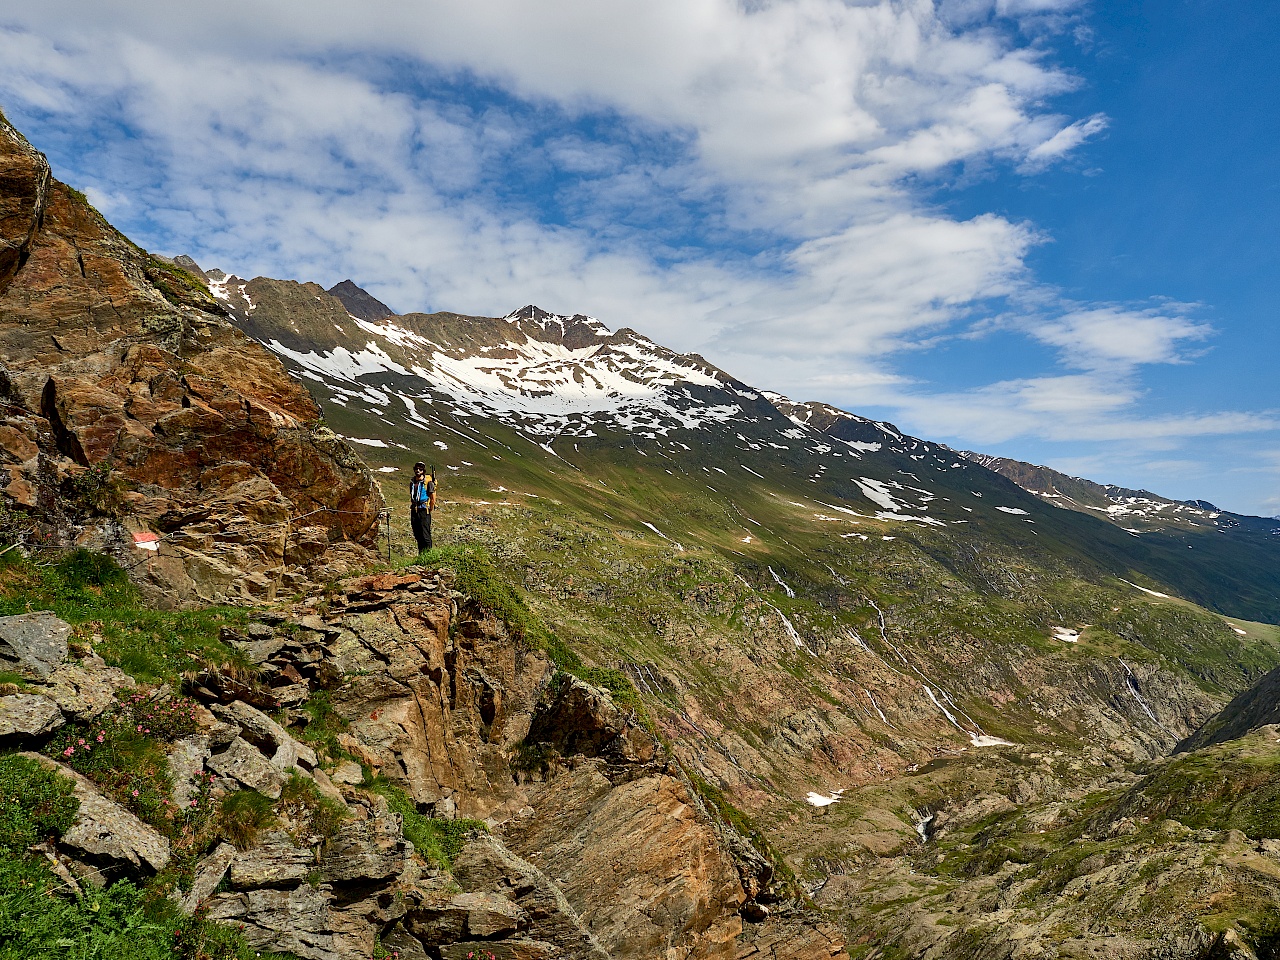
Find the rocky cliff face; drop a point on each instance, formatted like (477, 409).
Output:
(132, 407)
(593, 843)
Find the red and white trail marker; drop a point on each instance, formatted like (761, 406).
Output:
(147, 541)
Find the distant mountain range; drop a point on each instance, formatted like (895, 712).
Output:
(569, 385)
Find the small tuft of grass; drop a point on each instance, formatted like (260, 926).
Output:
(242, 816)
(322, 815)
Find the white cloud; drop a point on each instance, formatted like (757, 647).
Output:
(758, 197)
(1107, 335)
(1063, 142)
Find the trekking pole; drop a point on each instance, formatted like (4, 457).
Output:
(387, 515)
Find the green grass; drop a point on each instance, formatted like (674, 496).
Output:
(437, 840)
(243, 815)
(92, 593)
(481, 580)
(1234, 786)
(41, 918)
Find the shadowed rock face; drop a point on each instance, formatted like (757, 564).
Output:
(118, 363)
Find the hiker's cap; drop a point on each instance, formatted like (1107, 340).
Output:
(420, 466)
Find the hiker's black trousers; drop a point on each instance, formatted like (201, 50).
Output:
(421, 522)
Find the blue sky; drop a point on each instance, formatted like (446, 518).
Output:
(1045, 229)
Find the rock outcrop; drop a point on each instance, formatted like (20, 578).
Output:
(135, 412)
(33, 644)
(589, 842)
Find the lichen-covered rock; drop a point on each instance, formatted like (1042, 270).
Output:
(264, 733)
(293, 921)
(365, 850)
(243, 763)
(86, 690)
(25, 716)
(106, 837)
(274, 862)
(33, 644)
(209, 873)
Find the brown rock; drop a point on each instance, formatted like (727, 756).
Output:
(794, 935)
(115, 358)
(486, 866)
(24, 186)
(578, 718)
(640, 862)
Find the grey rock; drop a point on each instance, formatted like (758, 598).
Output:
(292, 694)
(243, 763)
(487, 866)
(514, 949)
(86, 690)
(264, 733)
(276, 862)
(33, 644)
(106, 835)
(24, 715)
(186, 767)
(326, 786)
(292, 921)
(371, 849)
(209, 873)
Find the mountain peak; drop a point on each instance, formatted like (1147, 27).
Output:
(574, 332)
(359, 302)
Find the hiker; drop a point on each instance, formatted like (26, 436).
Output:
(422, 500)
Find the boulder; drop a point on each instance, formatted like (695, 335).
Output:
(366, 850)
(267, 735)
(243, 763)
(105, 836)
(290, 921)
(209, 873)
(86, 690)
(275, 862)
(33, 644)
(25, 716)
(348, 772)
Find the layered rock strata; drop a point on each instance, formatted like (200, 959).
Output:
(594, 843)
(132, 408)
